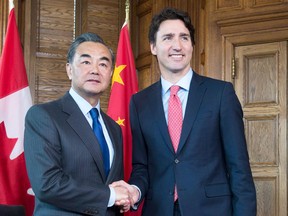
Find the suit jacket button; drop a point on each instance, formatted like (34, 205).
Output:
(176, 161)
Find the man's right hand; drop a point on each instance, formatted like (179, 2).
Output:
(126, 195)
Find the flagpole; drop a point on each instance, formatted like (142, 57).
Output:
(11, 5)
(127, 8)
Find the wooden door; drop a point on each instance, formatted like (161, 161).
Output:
(246, 43)
(261, 84)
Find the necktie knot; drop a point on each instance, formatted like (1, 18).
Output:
(94, 113)
(174, 89)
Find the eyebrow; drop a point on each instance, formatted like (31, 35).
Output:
(105, 58)
(173, 34)
(85, 56)
(168, 34)
(89, 56)
(184, 34)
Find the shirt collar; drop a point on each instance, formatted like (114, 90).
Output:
(84, 106)
(184, 82)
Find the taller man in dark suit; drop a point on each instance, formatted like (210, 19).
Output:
(202, 169)
(63, 156)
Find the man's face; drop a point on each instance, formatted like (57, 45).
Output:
(173, 47)
(91, 70)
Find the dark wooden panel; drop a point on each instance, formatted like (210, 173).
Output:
(56, 25)
(229, 4)
(103, 19)
(52, 80)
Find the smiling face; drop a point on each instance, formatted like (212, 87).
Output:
(173, 48)
(90, 71)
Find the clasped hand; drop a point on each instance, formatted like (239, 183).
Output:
(126, 195)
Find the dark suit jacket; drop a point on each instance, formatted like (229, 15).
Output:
(211, 167)
(64, 160)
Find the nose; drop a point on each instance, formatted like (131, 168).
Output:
(177, 44)
(94, 69)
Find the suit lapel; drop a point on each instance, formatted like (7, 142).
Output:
(195, 97)
(155, 97)
(114, 141)
(80, 125)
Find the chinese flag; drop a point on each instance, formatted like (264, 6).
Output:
(124, 85)
(15, 100)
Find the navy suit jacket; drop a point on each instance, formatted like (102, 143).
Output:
(64, 160)
(211, 166)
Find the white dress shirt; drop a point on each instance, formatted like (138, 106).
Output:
(85, 108)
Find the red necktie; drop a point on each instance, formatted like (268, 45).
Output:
(175, 119)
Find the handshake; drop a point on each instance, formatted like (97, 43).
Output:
(126, 195)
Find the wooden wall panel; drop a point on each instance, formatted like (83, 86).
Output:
(144, 46)
(229, 4)
(265, 188)
(262, 78)
(141, 17)
(55, 30)
(3, 21)
(103, 19)
(52, 81)
(262, 136)
(259, 3)
(144, 77)
(54, 26)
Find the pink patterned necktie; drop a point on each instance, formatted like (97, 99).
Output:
(175, 119)
(175, 116)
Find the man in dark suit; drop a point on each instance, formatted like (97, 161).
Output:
(63, 156)
(207, 172)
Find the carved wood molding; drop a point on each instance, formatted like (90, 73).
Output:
(243, 25)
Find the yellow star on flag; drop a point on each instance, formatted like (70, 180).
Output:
(120, 121)
(116, 75)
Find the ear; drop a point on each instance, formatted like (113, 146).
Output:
(112, 70)
(69, 70)
(153, 48)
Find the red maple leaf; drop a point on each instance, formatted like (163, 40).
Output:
(13, 177)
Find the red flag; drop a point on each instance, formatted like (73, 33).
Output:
(15, 100)
(124, 85)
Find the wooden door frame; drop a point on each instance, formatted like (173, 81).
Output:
(259, 34)
(252, 31)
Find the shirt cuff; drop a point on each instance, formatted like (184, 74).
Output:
(112, 197)
(136, 205)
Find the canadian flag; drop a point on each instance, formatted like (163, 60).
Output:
(15, 100)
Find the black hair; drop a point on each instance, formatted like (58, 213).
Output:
(85, 37)
(170, 14)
